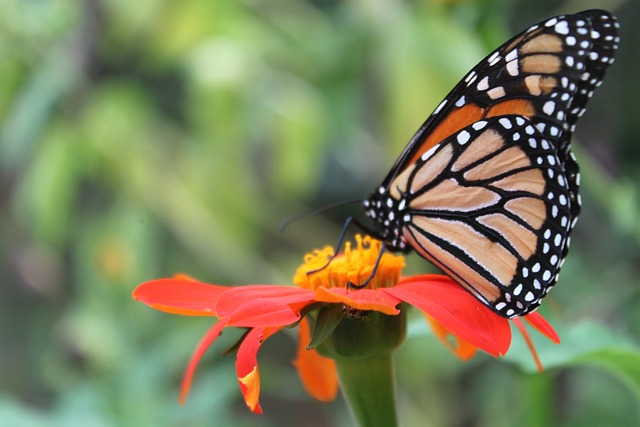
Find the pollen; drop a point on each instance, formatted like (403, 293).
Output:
(354, 266)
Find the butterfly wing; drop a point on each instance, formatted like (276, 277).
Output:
(494, 213)
(547, 73)
(544, 76)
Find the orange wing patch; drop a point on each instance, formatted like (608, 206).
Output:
(500, 263)
(541, 64)
(468, 114)
(528, 180)
(502, 163)
(451, 196)
(465, 276)
(486, 143)
(530, 210)
(523, 240)
(538, 85)
(542, 43)
(486, 252)
(437, 163)
(453, 122)
(520, 107)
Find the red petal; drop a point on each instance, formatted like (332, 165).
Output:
(202, 347)
(541, 325)
(363, 299)
(457, 310)
(318, 374)
(529, 342)
(463, 349)
(261, 314)
(247, 366)
(263, 305)
(180, 295)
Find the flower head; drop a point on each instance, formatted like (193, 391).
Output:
(323, 300)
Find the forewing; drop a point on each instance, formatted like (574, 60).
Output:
(547, 73)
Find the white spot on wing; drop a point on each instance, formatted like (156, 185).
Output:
(506, 123)
(562, 28)
(463, 137)
(471, 78)
(496, 92)
(483, 84)
(517, 290)
(548, 107)
(512, 68)
(429, 153)
(439, 107)
(512, 55)
(479, 125)
(551, 22)
(494, 58)
(557, 240)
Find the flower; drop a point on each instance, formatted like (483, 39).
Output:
(323, 300)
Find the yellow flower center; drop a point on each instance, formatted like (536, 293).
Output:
(353, 266)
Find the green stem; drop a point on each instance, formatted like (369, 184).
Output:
(372, 401)
(362, 349)
(538, 398)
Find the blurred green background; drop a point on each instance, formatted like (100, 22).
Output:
(140, 139)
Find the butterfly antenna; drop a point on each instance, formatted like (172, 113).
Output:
(295, 218)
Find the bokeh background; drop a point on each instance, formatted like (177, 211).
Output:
(140, 139)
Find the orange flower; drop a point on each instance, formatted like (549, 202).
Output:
(266, 309)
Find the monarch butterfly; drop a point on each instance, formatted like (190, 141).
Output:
(487, 189)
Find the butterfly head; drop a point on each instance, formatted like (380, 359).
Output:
(389, 216)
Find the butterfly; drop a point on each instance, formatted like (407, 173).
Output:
(487, 189)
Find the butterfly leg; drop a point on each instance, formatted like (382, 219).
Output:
(336, 249)
(351, 285)
(350, 220)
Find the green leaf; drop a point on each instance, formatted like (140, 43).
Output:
(622, 363)
(576, 341)
(585, 344)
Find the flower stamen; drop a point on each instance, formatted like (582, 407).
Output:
(355, 266)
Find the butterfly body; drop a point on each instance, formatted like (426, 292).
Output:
(487, 189)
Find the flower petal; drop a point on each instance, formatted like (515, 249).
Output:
(362, 299)
(202, 347)
(541, 325)
(247, 366)
(463, 349)
(318, 374)
(527, 339)
(180, 295)
(263, 305)
(457, 310)
(258, 314)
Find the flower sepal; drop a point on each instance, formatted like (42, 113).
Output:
(360, 335)
(326, 322)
